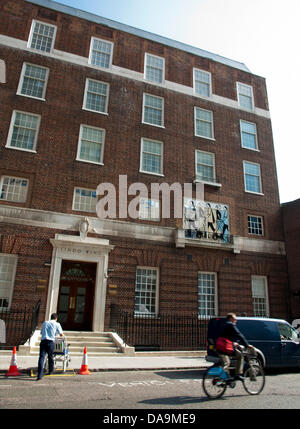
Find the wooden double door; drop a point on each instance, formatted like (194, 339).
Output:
(76, 295)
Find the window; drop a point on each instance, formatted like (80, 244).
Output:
(23, 131)
(154, 68)
(33, 81)
(151, 156)
(259, 296)
(202, 82)
(8, 265)
(255, 225)
(85, 200)
(148, 209)
(42, 36)
(252, 177)
(248, 135)
(91, 144)
(207, 294)
(96, 96)
(153, 110)
(101, 53)
(13, 189)
(245, 96)
(2, 71)
(205, 166)
(146, 291)
(203, 123)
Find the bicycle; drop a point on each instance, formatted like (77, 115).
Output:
(216, 380)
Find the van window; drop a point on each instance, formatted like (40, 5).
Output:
(258, 329)
(287, 332)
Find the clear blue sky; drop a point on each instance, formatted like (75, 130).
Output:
(263, 34)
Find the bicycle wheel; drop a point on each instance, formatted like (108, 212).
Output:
(213, 385)
(254, 379)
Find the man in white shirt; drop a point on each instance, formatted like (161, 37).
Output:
(49, 330)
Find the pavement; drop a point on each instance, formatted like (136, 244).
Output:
(141, 361)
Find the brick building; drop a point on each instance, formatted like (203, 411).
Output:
(87, 101)
(291, 223)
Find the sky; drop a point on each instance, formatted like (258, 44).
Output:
(263, 34)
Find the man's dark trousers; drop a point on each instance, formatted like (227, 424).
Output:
(46, 347)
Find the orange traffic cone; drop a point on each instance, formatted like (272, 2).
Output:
(84, 367)
(13, 370)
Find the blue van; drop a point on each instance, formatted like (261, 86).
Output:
(278, 343)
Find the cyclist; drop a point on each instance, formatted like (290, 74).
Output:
(232, 333)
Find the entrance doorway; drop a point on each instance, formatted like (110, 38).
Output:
(76, 295)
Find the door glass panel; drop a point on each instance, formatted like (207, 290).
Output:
(80, 302)
(63, 304)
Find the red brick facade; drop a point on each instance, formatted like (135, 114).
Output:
(53, 171)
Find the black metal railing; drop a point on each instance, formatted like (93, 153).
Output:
(19, 324)
(159, 332)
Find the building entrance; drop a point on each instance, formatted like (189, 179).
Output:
(76, 295)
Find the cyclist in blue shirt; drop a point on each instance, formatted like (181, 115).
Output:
(49, 330)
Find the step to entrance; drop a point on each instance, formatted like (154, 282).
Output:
(97, 343)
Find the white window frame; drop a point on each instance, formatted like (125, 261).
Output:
(210, 122)
(147, 213)
(11, 128)
(205, 179)
(262, 225)
(34, 22)
(105, 112)
(256, 312)
(147, 54)
(239, 86)
(21, 81)
(102, 144)
(162, 110)
(215, 295)
(161, 157)
(245, 183)
(11, 281)
(255, 135)
(141, 313)
(195, 70)
(110, 55)
(74, 194)
(16, 178)
(2, 71)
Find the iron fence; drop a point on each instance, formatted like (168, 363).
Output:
(18, 325)
(160, 332)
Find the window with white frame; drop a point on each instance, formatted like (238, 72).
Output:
(8, 266)
(204, 123)
(245, 96)
(255, 225)
(23, 131)
(151, 156)
(248, 135)
(259, 296)
(13, 189)
(207, 294)
(101, 53)
(85, 200)
(205, 166)
(91, 144)
(33, 81)
(149, 209)
(42, 36)
(96, 96)
(202, 82)
(2, 71)
(252, 177)
(146, 291)
(153, 110)
(154, 68)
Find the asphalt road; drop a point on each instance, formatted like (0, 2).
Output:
(178, 390)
